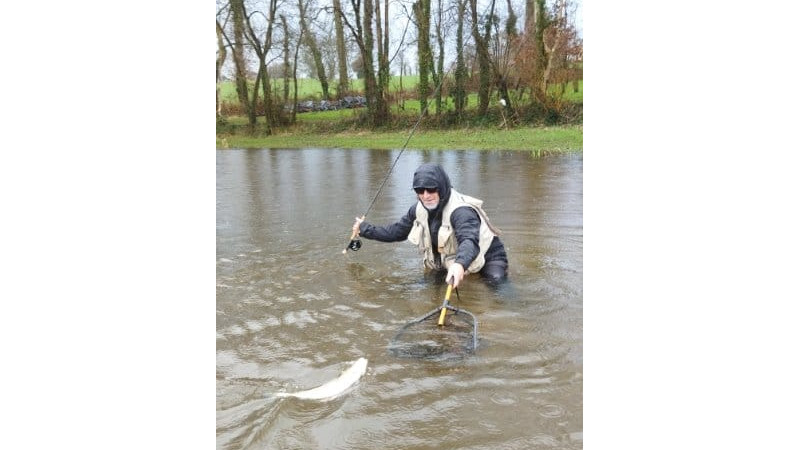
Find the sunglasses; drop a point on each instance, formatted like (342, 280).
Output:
(420, 190)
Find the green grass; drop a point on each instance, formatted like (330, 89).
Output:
(537, 140)
(345, 128)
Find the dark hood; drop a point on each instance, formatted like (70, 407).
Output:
(431, 175)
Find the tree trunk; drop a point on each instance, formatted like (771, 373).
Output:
(501, 72)
(237, 8)
(556, 25)
(294, 76)
(261, 50)
(221, 55)
(482, 48)
(287, 67)
(460, 91)
(538, 81)
(383, 65)
(386, 43)
(341, 51)
(383, 56)
(270, 111)
(422, 13)
(376, 106)
(438, 74)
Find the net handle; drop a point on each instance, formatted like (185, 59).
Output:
(444, 304)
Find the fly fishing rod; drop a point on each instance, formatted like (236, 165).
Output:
(355, 242)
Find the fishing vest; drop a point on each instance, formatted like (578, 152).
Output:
(420, 234)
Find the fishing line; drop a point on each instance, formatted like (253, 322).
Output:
(355, 243)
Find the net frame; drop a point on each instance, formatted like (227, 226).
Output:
(427, 326)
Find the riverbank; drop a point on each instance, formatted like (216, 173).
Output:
(556, 139)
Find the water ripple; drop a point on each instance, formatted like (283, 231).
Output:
(290, 309)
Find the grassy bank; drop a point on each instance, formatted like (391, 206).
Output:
(554, 130)
(534, 139)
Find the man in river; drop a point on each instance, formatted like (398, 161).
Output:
(451, 229)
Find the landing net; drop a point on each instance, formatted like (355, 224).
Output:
(425, 338)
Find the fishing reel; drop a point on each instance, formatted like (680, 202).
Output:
(354, 245)
(355, 242)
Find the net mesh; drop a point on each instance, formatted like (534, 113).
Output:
(425, 338)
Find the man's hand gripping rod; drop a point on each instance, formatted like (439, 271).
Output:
(355, 243)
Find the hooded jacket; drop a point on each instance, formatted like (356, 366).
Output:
(467, 237)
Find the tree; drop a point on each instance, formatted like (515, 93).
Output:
(537, 23)
(382, 32)
(422, 16)
(287, 67)
(341, 51)
(261, 49)
(237, 10)
(294, 74)
(482, 48)
(554, 47)
(375, 107)
(460, 90)
(505, 43)
(438, 72)
(361, 29)
(564, 47)
(311, 42)
(490, 53)
(221, 55)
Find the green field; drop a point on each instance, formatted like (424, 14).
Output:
(345, 128)
(310, 89)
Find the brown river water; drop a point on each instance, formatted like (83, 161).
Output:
(292, 311)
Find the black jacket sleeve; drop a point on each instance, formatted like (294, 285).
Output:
(397, 231)
(466, 226)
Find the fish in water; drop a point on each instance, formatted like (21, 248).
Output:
(333, 388)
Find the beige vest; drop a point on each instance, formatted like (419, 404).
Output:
(420, 235)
